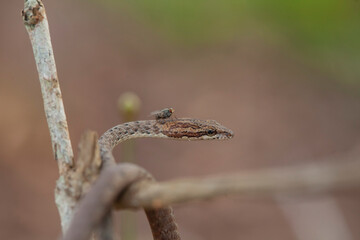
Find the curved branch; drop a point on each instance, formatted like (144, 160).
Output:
(99, 200)
(110, 186)
(313, 178)
(133, 187)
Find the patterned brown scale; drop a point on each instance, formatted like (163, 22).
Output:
(168, 128)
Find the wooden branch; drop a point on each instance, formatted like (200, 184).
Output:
(73, 185)
(132, 187)
(95, 207)
(36, 24)
(93, 211)
(314, 178)
(38, 29)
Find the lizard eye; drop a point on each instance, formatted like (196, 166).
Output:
(210, 132)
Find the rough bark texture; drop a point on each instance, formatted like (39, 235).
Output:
(73, 185)
(36, 24)
(38, 29)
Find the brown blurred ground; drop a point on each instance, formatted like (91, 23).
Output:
(282, 112)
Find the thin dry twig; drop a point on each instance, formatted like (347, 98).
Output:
(36, 24)
(313, 178)
(133, 187)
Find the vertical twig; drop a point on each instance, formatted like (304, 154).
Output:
(36, 24)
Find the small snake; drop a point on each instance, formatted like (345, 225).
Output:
(161, 220)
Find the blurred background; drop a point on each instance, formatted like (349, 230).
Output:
(283, 75)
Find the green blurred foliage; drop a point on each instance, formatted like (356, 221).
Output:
(194, 21)
(325, 32)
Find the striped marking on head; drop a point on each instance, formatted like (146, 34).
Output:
(194, 129)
